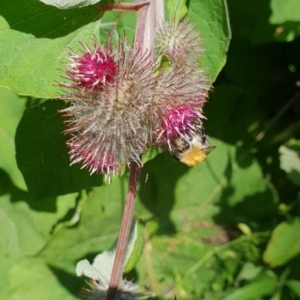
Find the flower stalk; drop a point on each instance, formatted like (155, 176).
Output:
(144, 41)
(118, 267)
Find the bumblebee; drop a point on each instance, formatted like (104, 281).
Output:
(191, 149)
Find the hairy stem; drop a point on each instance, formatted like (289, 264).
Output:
(123, 7)
(117, 271)
(160, 12)
(144, 41)
(141, 24)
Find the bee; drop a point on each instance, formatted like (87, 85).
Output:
(191, 149)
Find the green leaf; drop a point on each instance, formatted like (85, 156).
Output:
(177, 9)
(41, 52)
(185, 205)
(135, 246)
(67, 4)
(32, 278)
(212, 20)
(35, 42)
(42, 154)
(264, 285)
(11, 110)
(26, 228)
(285, 15)
(290, 163)
(283, 245)
(173, 198)
(294, 286)
(249, 272)
(285, 11)
(38, 250)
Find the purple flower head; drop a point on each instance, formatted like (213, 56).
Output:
(91, 70)
(109, 126)
(179, 122)
(180, 96)
(82, 152)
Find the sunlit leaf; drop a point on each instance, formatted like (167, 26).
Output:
(67, 4)
(135, 246)
(283, 245)
(285, 14)
(40, 52)
(26, 228)
(290, 163)
(177, 9)
(212, 20)
(36, 40)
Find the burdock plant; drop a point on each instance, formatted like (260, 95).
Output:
(124, 99)
(108, 118)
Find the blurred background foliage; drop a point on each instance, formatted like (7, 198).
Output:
(227, 229)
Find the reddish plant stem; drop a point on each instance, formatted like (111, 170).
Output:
(117, 271)
(144, 40)
(160, 12)
(140, 28)
(123, 6)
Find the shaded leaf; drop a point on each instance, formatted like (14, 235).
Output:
(42, 154)
(11, 110)
(186, 206)
(294, 286)
(189, 201)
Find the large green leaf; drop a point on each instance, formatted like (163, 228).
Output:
(26, 228)
(40, 243)
(36, 40)
(188, 202)
(11, 109)
(212, 20)
(32, 278)
(283, 245)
